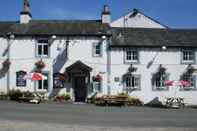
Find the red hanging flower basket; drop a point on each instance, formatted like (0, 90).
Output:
(40, 64)
(6, 64)
(97, 78)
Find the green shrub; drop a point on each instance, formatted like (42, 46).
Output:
(67, 96)
(15, 94)
(123, 94)
(135, 101)
(63, 98)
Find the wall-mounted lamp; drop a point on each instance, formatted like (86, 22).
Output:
(51, 40)
(12, 36)
(103, 37)
(164, 48)
(53, 37)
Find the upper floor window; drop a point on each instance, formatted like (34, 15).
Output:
(132, 82)
(97, 49)
(42, 48)
(188, 56)
(131, 56)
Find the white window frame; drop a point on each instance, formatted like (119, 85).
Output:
(132, 82)
(42, 44)
(131, 57)
(188, 59)
(192, 85)
(47, 80)
(95, 45)
(161, 83)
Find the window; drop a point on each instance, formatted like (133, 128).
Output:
(192, 82)
(43, 84)
(158, 81)
(20, 81)
(97, 86)
(188, 56)
(42, 48)
(131, 56)
(97, 49)
(132, 82)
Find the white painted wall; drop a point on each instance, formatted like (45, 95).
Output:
(80, 48)
(169, 59)
(23, 57)
(139, 21)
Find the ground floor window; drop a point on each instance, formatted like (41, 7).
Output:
(132, 82)
(44, 84)
(158, 81)
(192, 82)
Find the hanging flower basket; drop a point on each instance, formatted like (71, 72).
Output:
(97, 78)
(40, 65)
(132, 69)
(6, 64)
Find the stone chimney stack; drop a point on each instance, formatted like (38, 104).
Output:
(106, 15)
(25, 15)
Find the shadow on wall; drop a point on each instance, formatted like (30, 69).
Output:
(155, 103)
(3, 72)
(60, 61)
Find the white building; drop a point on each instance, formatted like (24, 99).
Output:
(98, 56)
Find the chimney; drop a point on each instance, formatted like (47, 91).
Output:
(25, 15)
(106, 15)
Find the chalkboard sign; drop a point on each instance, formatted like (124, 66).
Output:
(20, 81)
(58, 80)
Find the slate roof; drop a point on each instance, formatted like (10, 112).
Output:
(55, 27)
(143, 37)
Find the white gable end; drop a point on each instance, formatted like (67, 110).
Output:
(136, 19)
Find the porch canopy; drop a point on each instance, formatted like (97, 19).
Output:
(78, 67)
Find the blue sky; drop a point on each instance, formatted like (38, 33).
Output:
(173, 13)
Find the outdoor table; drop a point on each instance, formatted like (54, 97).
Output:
(175, 102)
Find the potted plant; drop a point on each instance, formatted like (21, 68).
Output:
(6, 64)
(40, 65)
(97, 78)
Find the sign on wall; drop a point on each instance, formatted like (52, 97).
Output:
(20, 81)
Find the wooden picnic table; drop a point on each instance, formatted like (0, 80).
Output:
(111, 100)
(175, 102)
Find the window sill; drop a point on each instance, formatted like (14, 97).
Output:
(133, 88)
(187, 62)
(43, 57)
(97, 56)
(160, 89)
(188, 89)
(131, 62)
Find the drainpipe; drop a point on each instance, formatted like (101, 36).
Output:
(10, 37)
(108, 67)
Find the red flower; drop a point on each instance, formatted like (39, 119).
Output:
(97, 78)
(6, 63)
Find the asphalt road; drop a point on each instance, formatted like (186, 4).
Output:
(94, 116)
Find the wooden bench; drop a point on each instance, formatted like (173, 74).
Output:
(30, 99)
(3, 96)
(112, 100)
